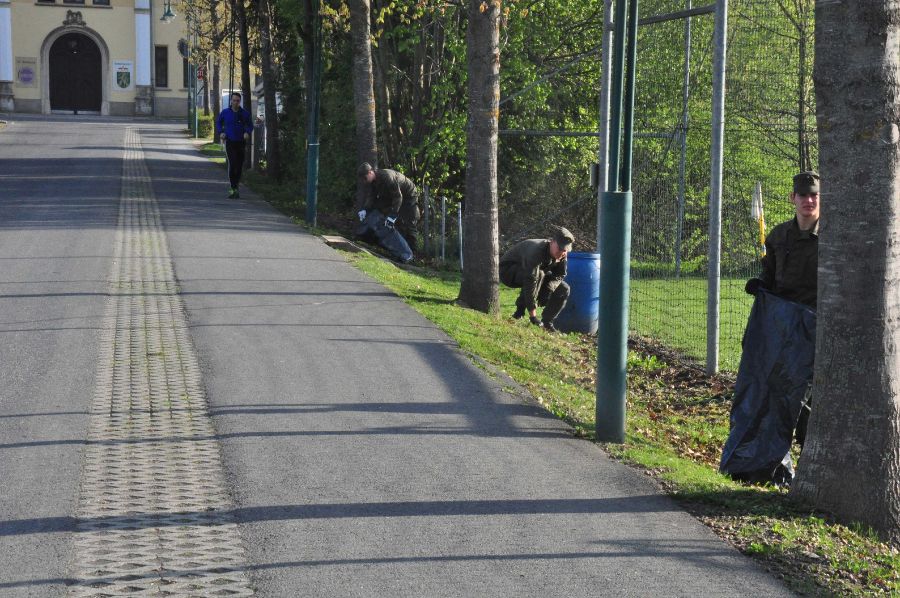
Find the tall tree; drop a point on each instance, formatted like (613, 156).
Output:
(307, 32)
(240, 13)
(480, 281)
(383, 60)
(270, 89)
(851, 461)
(363, 90)
(218, 34)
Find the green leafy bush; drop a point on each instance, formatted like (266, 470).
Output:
(204, 126)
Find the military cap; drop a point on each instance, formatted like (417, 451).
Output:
(364, 169)
(806, 182)
(564, 238)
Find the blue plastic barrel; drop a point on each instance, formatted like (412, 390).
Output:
(583, 307)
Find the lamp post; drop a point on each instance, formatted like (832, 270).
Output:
(185, 48)
(192, 74)
(312, 137)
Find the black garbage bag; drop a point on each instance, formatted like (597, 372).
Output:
(374, 229)
(775, 371)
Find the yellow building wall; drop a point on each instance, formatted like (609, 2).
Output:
(168, 34)
(32, 22)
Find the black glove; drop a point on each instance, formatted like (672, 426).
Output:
(753, 285)
(534, 320)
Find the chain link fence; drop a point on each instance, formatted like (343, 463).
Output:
(769, 136)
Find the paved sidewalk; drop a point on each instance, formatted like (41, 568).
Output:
(369, 457)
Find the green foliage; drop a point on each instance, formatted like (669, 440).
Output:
(214, 151)
(337, 154)
(205, 126)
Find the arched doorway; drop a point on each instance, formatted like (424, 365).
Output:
(76, 74)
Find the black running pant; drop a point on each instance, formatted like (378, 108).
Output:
(235, 152)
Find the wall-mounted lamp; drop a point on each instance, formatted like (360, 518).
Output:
(168, 15)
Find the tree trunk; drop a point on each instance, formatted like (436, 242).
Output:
(363, 91)
(212, 78)
(480, 281)
(802, 144)
(270, 87)
(206, 86)
(244, 39)
(215, 91)
(380, 60)
(850, 464)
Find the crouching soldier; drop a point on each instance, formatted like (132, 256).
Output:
(395, 196)
(538, 267)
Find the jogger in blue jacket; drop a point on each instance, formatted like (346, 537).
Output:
(235, 126)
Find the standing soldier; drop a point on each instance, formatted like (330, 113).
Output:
(772, 395)
(790, 267)
(393, 195)
(235, 126)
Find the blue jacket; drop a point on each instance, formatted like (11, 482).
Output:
(234, 124)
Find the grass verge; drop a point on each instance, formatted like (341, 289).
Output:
(214, 151)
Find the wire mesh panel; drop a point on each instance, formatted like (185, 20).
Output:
(439, 231)
(769, 136)
(670, 219)
(549, 123)
(547, 146)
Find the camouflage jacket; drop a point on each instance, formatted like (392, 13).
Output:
(391, 193)
(790, 268)
(532, 257)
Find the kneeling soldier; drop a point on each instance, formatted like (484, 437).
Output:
(538, 267)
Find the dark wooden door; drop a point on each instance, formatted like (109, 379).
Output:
(75, 74)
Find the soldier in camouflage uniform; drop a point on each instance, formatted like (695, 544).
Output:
(393, 195)
(538, 267)
(792, 248)
(789, 268)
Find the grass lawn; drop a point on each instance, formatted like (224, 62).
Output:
(674, 312)
(214, 151)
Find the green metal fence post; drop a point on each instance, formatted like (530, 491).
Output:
(312, 137)
(615, 236)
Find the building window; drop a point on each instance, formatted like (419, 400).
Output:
(161, 60)
(101, 2)
(186, 70)
(46, 1)
(73, 1)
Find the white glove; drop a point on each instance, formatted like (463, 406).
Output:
(362, 215)
(389, 221)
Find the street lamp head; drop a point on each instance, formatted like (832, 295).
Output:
(168, 15)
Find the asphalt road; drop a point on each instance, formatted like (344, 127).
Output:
(366, 455)
(59, 192)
